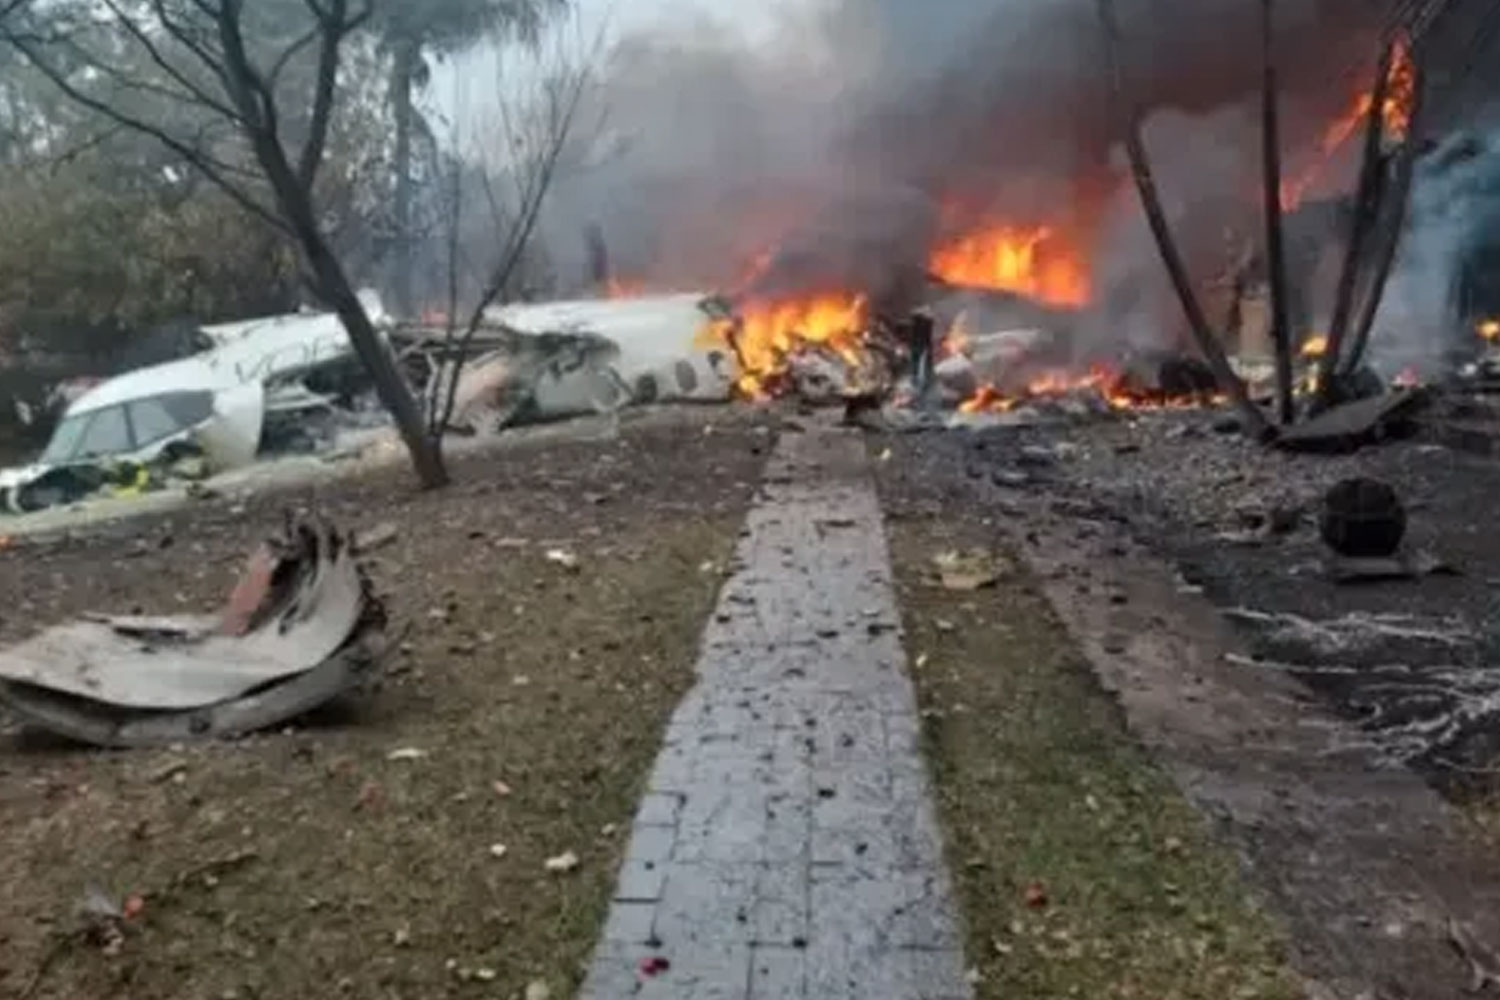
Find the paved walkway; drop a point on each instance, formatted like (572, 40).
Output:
(787, 847)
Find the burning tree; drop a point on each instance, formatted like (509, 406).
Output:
(245, 95)
(1392, 114)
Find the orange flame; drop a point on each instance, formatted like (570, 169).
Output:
(1401, 90)
(1028, 261)
(768, 333)
(624, 289)
(1315, 347)
(1106, 383)
(1488, 329)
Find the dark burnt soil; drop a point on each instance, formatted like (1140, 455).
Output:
(1371, 870)
(395, 845)
(1413, 663)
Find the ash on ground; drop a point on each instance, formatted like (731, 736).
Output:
(1413, 662)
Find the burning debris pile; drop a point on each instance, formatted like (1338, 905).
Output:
(967, 355)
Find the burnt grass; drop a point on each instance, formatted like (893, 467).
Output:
(1199, 498)
(309, 862)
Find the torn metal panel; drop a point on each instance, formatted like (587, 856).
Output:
(232, 438)
(299, 629)
(663, 349)
(554, 360)
(87, 721)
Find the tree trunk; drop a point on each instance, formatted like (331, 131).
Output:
(1255, 424)
(390, 384)
(1393, 224)
(1366, 207)
(1281, 333)
(403, 73)
(333, 284)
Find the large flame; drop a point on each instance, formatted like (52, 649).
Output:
(1401, 90)
(1034, 261)
(767, 333)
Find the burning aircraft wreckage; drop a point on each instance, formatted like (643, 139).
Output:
(966, 312)
(290, 384)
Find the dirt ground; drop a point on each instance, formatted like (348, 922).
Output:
(320, 861)
(1199, 498)
(1081, 869)
(1137, 529)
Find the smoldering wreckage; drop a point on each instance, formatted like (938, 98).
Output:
(994, 337)
(302, 626)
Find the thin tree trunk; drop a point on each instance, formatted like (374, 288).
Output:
(333, 284)
(390, 383)
(1365, 208)
(403, 72)
(1281, 333)
(1388, 238)
(1255, 423)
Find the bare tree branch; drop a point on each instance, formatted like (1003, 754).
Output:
(11, 7)
(165, 65)
(273, 76)
(197, 46)
(250, 106)
(199, 161)
(332, 26)
(563, 103)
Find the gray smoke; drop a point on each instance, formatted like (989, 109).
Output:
(1444, 281)
(868, 125)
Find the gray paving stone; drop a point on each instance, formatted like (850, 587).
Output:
(777, 973)
(658, 809)
(707, 904)
(710, 972)
(673, 770)
(640, 882)
(651, 844)
(782, 903)
(630, 923)
(739, 872)
(883, 911)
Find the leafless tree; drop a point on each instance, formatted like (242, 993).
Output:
(1130, 115)
(535, 130)
(1281, 332)
(1366, 205)
(215, 73)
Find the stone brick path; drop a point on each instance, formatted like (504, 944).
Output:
(787, 847)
